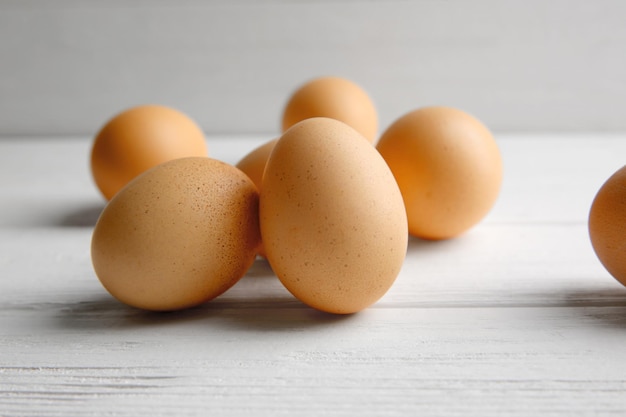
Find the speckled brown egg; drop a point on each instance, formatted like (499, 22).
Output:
(177, 235)
(448, 167)
(332, 219)
(607, 225)
(334, 97)
(138, 139)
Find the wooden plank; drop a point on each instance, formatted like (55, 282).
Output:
(495, 265)
(542, 182)
(439, 361)
(515, 318)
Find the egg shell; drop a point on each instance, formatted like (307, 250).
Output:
(253, 165)
(140, 138)
(448, 167)
(333, 97)
(177, 235)
(607, 225)
(332, 219)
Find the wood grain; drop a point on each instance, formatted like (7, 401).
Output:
(515, 318)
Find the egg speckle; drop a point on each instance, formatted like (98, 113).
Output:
(140, 138)
(332, 219)
(177, 235)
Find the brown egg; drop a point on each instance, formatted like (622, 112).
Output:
(607, 225)
(177, 235)
(448, 167)
(253, 165)
(334, 97)
(138, 139)
(332, 219)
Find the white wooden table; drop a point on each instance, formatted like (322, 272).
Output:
(517, 317)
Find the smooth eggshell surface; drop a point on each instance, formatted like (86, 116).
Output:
(334, 97)
(253, 165)
(607, 225)
(139, 138)
(178, 235)
(332, 219)
(448, 167)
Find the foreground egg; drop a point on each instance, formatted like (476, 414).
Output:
(448, 167)
(332, 219)
(334, 97)
(178, 235)
(607, 225)
(138, 139)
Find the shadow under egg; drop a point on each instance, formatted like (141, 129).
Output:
(82, 217)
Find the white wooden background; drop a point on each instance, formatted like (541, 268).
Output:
(515, 318)
(533, 65)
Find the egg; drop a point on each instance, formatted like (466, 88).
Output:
(177, 235)
(448, 167)
(333, 97)
(607, 225)
(138, 139)
(253, 165)
(332, 219)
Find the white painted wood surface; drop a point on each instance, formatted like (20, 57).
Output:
(516, 318)
(67, 66)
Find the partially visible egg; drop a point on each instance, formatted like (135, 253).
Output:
(448, 167)
(177, 235)
(138, 139)
(334, 97)
(253, 165)
(332, 219)
(607, 225)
